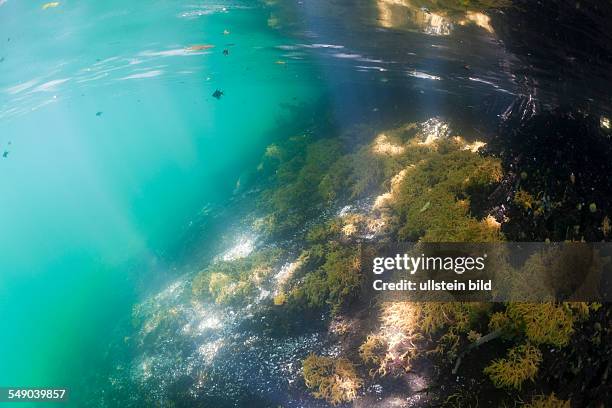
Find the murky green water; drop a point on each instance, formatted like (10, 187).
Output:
(114, 146)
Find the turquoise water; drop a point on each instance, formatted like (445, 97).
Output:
(115, 145)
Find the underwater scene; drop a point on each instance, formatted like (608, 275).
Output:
(190, 190)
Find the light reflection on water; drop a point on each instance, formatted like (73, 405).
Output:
(180, 337)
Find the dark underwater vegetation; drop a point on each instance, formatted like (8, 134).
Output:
(240, 158)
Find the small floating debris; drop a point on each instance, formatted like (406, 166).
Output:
(141, 75)
(99, 113)
(425, 207)
(606, 227)
(382, 145)
(217, 94)
(52, 4)
(491, 222)
(226, 32)
(200, 47)
(5, 154)
(423, 75)
(472, 147)
(280, 62)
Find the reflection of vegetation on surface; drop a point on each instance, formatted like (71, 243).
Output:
(436, 17)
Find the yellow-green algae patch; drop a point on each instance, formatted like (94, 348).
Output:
(433, 200)
(236, 281)
(548, 401)
(521, 364)
(332, 379)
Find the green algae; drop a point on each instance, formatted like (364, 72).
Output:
(547, 401)
(434, 189)
(434, 200)
(335, 283)
(521, 364)
(235, 281)
(301, 183)
(334, 380)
